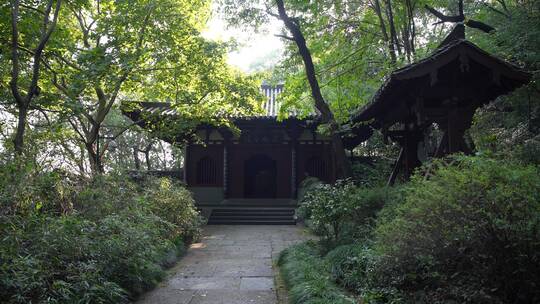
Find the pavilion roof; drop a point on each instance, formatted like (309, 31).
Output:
(166, 109)
(270, 106)
(458, 72)
(152, 115)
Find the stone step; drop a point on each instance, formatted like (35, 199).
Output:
(251, 222)
(253, 212)
(252, 216)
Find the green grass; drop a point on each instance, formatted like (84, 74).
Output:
(307, 278)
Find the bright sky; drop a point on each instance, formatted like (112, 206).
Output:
(255, 51)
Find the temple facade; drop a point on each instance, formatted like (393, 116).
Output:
(267, 159)
(262, 164)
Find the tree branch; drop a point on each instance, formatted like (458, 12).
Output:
(479, 25)
(495, 10)
(74, 126)
(32, 9)
(14, 83)
(46, 34)
(284, 37)
(461, 18)
(443, 17)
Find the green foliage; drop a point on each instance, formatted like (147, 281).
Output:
(510, 126)
(102, 53)
(307, 277)
(174, 203)
(354, 267)
(342, 212)
(464, 230)
(113, 243)
(327, 208)
(469, 233)
(349, 265)
(371, 174)
(24, 191)
(349, 43)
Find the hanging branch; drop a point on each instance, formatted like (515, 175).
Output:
(461, 18)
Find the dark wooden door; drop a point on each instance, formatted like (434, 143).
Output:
(260, 177)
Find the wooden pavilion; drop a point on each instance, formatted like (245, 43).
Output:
(441, 91)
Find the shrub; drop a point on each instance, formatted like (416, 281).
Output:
(470, 233)
(371, 172)
(307, 185)
(343, 212)
(48, 259)
(106, 194)
(326, 207)
(112, 244)
(349, 265)
(353, 266)
(174, 203)
(307, 278)
(24, 190)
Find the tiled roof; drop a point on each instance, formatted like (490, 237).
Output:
(385, 98)
(271, 106)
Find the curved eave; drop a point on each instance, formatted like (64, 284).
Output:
(390, 104)
(142, 113)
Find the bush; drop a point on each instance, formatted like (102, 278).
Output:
(307, 278)
(106, 194)
(24, 190)
(350, 265)
(175, 204)
(470, 234)
(371, 172)
(112, 244)
(344, 212)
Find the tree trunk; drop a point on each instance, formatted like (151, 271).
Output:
(393, 32)
(18, 140)
(147, 158)
(96, 166)
(391, 51)
(342, 163)
(23, 101)
(136, 158)
(412, 27)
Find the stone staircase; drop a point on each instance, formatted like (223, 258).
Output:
(252, 216)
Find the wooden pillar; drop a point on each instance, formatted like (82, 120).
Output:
(453, 131)
(227, 139)
(441, 147)
(186, 162)
(397, 166)
(408, 139)
(225, 170)
(412, 139)
(293, 169)
(458, 121)
(294, 130)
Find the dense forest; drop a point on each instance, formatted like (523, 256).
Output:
(82, 222)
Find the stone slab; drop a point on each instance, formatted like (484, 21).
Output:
(231, 265)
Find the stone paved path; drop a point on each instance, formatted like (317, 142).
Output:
(231, 265)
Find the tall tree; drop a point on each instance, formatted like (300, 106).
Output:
(134, 50)
(28, 66)
(342, 163)
(256, 13)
